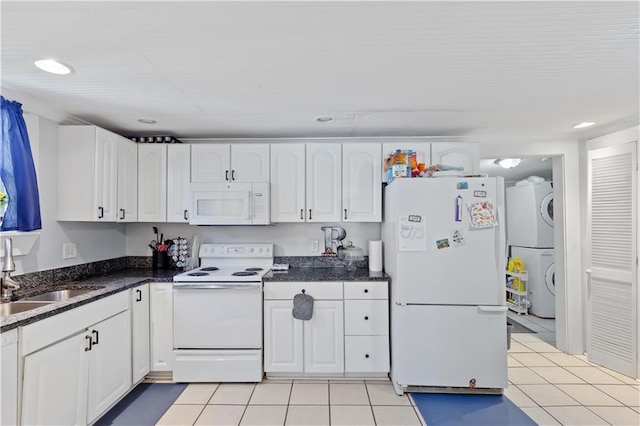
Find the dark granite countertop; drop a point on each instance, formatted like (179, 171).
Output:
(105, 285)
(325, 274)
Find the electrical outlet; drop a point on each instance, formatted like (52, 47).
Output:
(69, 251)
(315, 245)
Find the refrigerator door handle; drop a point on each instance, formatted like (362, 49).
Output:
(492, 309)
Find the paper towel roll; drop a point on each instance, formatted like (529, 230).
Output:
(375, 256)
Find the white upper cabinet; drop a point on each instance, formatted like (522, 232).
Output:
(361, 188)
(127, 180)
(250, 162)
(178, 176)
(457, 154)
(465, 155)
(212, 162)
(87, 174)
(324, 182)
(422, 150)
(288, 183)
(152, 182)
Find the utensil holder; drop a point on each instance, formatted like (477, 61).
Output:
(160, 260)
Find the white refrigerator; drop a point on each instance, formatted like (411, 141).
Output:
(444, 249)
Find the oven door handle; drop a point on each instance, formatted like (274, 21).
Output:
(214, 286)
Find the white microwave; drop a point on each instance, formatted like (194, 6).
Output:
(229, 204)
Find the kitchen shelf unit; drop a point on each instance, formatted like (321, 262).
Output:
(517, 300)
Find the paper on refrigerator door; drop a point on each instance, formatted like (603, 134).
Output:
(412, 233)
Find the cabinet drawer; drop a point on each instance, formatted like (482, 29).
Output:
(366, 290)
(366, 354)
(327, 290)
(366, 317)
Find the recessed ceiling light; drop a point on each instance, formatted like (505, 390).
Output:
(53, 66)
(583, 124)
(147, 121)
(324, 119)
(508, 163)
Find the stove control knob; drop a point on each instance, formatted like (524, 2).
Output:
(251, 250)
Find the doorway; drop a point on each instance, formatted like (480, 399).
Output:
(529, 188)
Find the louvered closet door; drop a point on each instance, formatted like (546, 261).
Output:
(612, 293)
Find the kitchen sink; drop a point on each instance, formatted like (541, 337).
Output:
(17, 307)
(60, 295)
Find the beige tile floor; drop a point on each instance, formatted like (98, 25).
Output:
(553, 388)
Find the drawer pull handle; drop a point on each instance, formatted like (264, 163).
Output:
(366, 290)
(366, 356)
(301, 217)
(87, 338)
(366, 318)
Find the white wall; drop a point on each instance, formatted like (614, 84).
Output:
(290, 239)
(94, 241)
(568, 239)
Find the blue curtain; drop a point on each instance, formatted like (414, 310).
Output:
(17, 171)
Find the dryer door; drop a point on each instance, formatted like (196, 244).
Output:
(550, 279)
(546, 209)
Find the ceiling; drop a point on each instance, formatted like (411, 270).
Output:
(269, 69)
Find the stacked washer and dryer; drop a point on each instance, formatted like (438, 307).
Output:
(530, 235)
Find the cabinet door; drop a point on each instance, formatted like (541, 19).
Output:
(178, 176)
(250, 162)
(106, 182)
(161, 316)
(54, 389)
(9, 382)
(324, 338)
(324, 182)
(109, 363)
(361, 187)
(465, 155)
(282, 338)
(140, 341)
(152, 183)
(210, 162)
(422, 150)
(287, 183)
(127, 180)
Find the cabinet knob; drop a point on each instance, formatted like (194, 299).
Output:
(366, 356)
(366, 290)
(366, 318)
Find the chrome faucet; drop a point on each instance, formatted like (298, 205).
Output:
(8, 266)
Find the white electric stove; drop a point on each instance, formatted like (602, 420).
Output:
(217, 315)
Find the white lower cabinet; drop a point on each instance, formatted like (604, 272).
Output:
(324, 338)
(76, 364)
(9, 382)
(366, 328)
(109, 363)
(140, 342)
(54, 389)
(299, 347)
(161, 318)
(348, 334)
